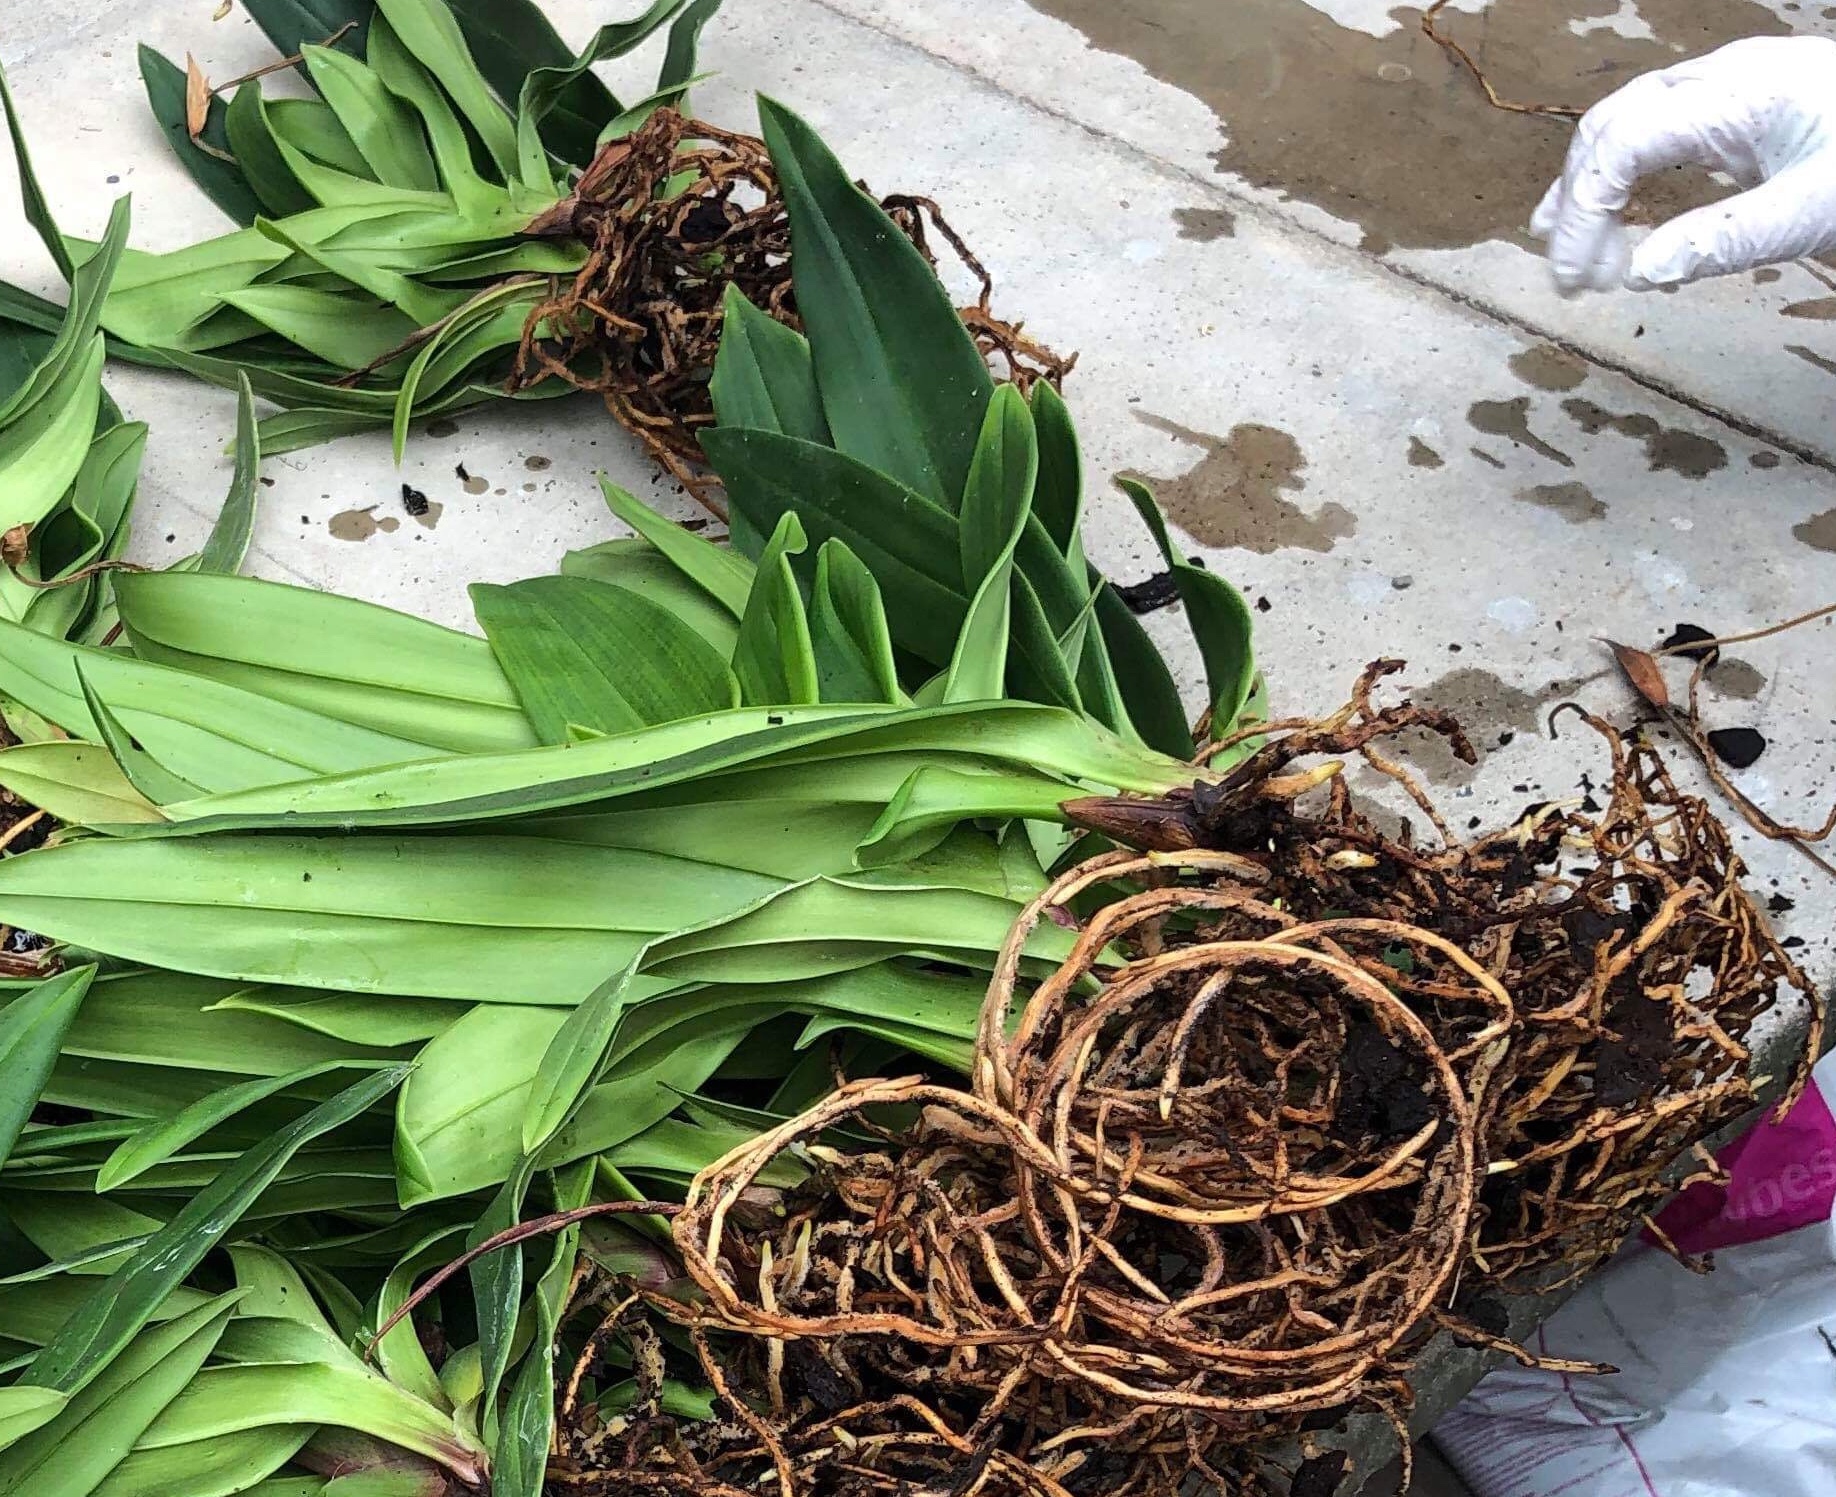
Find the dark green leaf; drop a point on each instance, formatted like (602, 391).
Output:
(292, 24)
(679, 61)
(223, 181)
(228, 541)
(573, 1059)
(1141, 675)
(906, 541)
(773, 658)
(848, 633)
(37, 209)
(1037, 668)
(1059, 502)
(114, 1313)
(763, 375)
(1216, 612)
(510, 39)
(544, 87)
(32, 1030)
(590, 654)
(903, 384)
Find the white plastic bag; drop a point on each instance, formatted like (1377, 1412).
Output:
(1727, 1382)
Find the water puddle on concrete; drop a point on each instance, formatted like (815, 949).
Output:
(1388, 132)
(1574, 502)
(1235, 496)
(1510, 419)
(1668, 449)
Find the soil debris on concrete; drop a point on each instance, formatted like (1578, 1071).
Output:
(1510, 419)
(1235, 496)
(1421, 455)
(1668, 449)
(1736, 747)
(1574, 502)
(1692, 642)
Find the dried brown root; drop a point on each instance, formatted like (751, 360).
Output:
(640, 322)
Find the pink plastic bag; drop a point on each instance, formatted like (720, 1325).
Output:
(1727, 1382)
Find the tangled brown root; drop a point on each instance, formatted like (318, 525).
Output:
(640, 322)
(1305, 1092)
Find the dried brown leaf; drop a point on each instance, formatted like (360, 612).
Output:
(197, 98)
(222, 10)
(1642, 670)
(15, 545)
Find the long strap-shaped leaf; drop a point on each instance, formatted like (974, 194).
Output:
(903, 385)
(106, 1322)
(32, 1030)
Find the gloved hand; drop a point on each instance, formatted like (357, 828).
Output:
(1762, 110)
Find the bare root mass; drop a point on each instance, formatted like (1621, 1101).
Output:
(672, 215)
(1306, 1092)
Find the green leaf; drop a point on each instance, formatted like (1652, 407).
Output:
(544, 87)
(222, 1466)
(903, 384)
(512, 38)
(774, 659)
(497, 1287)
(909, 543)
(586, 653)
(382, 127)
(716, 570)
(223, 181)
(102, 1421)
(1059, 500)
(764, 377)
(76, 783)
(1037, 668)
(160, 1140)
(1141, 675)
(32, 1030)
(1219, 618)
(259, 158)
(367, 665)
(429, 32)
(848, 632)
(144, 772)
(228, 541)
(292, 24)
(681, 58)
(996, 503)
(111, 1318)
(520, 1460)
(23, 1410)
(637, 566)
(32, 196)
(572, 1061)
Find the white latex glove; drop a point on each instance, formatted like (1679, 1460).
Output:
(1762, 110)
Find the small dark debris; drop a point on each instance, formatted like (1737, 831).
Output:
(1792, 943)
(305, 519)
(24, 942)
(1455, 649)
(1688, 640)
(1263, 605)
(694, 522)
(1505, 738)
(460, 473)
(414, 501)
(1403, 582)
(1520, 789)
(305, 878)
(1472, 823)
(1320, 1475)
(1737, 747)
(170, 539)
(1779, 904)
(775, 720)
(1155, 592)
(267, 483)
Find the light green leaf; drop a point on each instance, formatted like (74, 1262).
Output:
(228, 541)
(95, 1336)
(386, 133)
(716, 570)
(848, 632)
(428, 31)
(586, 653)
(572, 1061)
(32, 1030)
(773, 658)
(32, 196)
